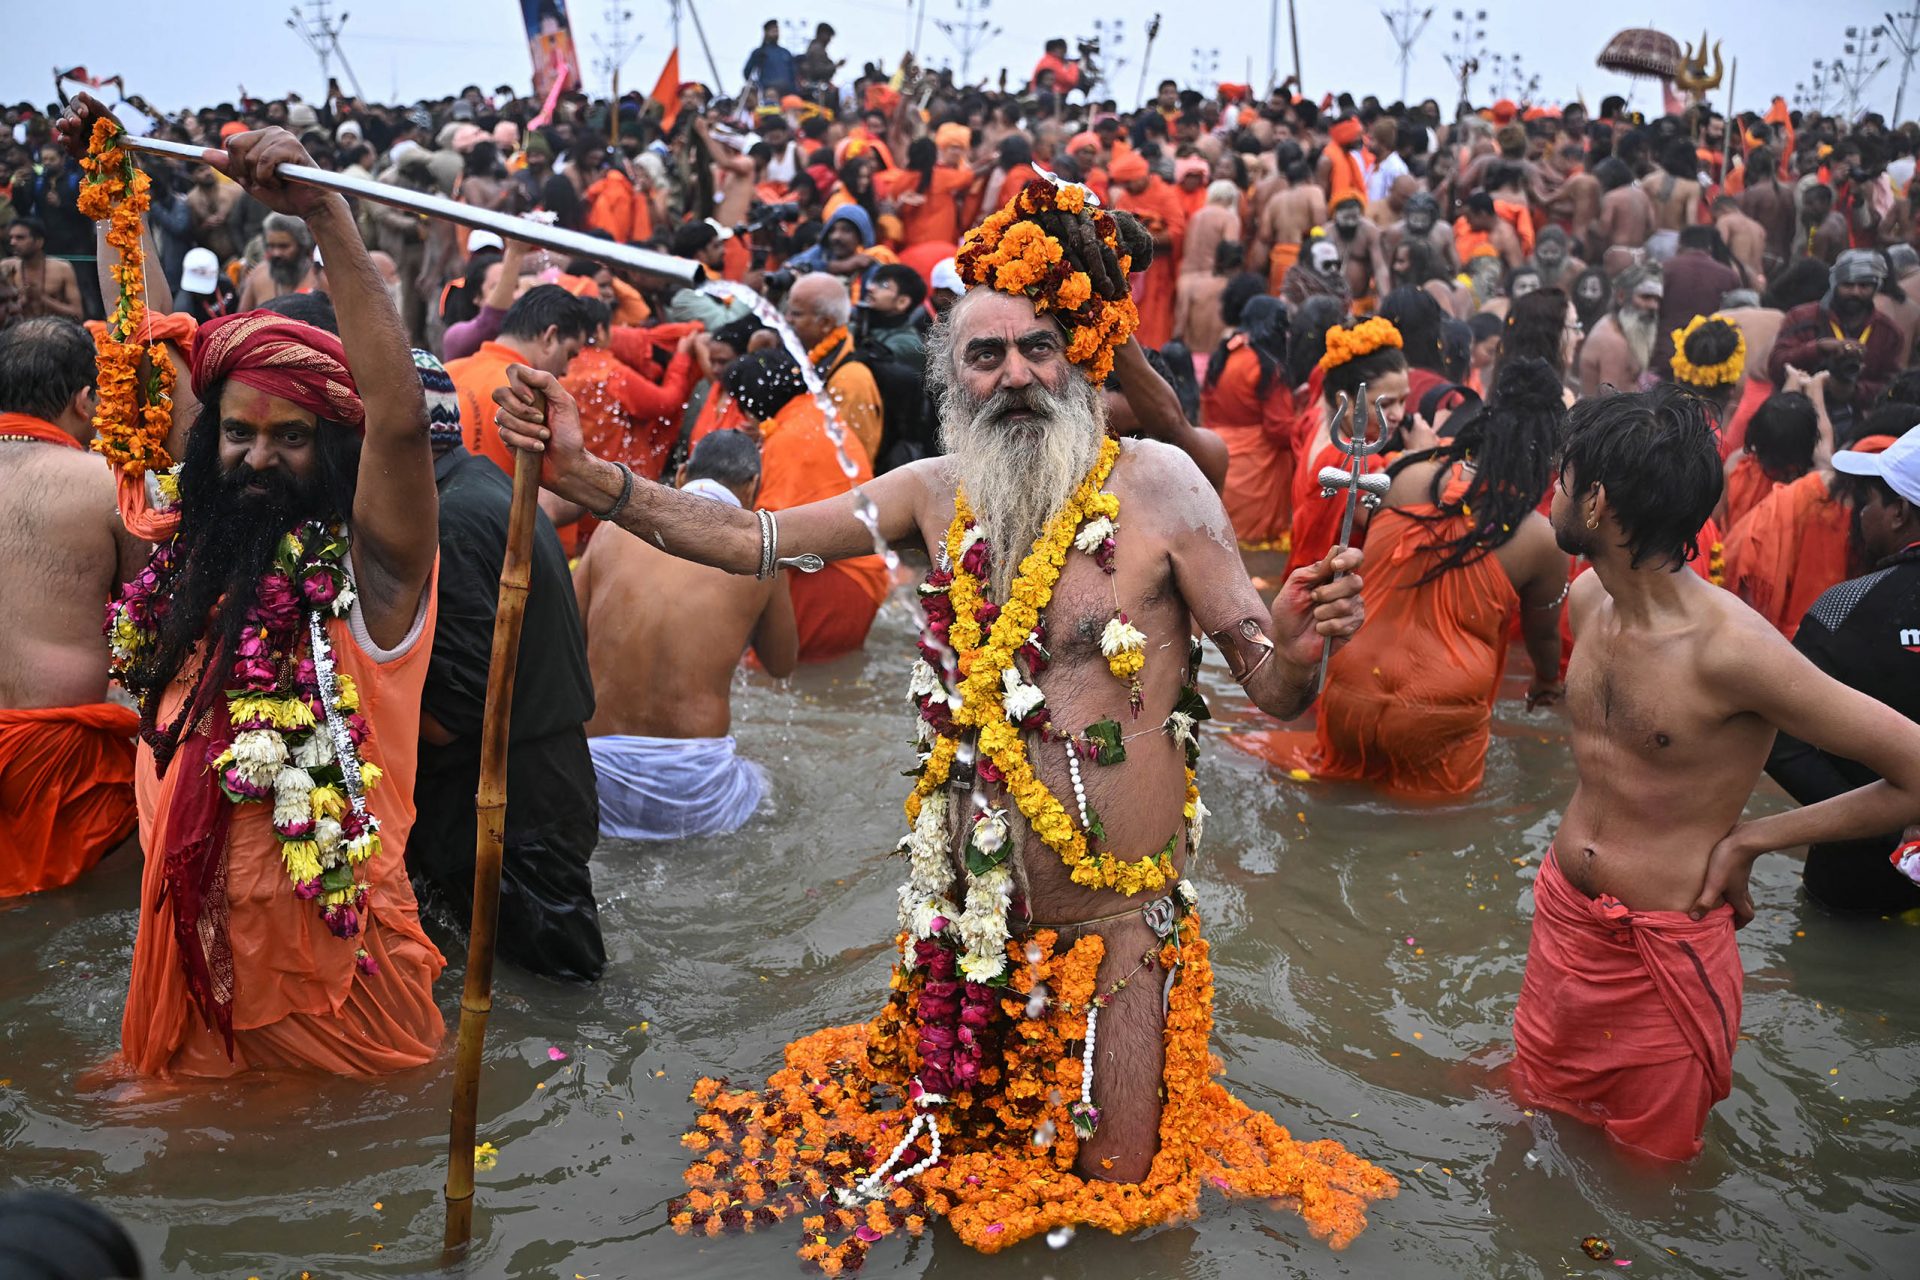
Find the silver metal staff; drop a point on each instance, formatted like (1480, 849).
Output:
(505, 225)
(1369, 488)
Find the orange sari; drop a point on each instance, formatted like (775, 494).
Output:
(1258, 432)
(1788, 550)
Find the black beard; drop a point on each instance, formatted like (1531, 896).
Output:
(1851, 309)
(287, 273)
(1345, 232)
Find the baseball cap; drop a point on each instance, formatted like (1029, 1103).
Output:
(1898, 464)
(947, 276)
(199, 270)
(478, 240)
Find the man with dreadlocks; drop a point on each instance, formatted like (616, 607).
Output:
(1043, 1060)
(277, 645)
(1456, 552)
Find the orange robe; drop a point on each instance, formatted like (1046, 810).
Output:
(1159, 207)
(718, 412)
(475, 378)
(625, 417)
(1520, 218)
(66, 792)
(1315, 527)
(1346, 176)
(1258, 433)
(1789, 549)
(610, 205)
(1747, 484)
(834, 608)
(1408, 704)
(1627, 1019)
(299, 999)
(932, 216)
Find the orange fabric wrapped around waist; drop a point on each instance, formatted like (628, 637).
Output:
(1627, 1018)
(66, 792)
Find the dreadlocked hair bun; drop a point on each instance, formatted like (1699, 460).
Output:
(1528, 385)
(1709, 353)
(1135, 240)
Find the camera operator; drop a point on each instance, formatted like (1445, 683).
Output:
(1068, 73)
(1838, 334)
(706, 243)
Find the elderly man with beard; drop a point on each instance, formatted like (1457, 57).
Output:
(289, 264)
(1838, 334)
(1133, 554)
(277, 927)
(1620, 346)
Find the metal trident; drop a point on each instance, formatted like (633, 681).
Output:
(1362, 487)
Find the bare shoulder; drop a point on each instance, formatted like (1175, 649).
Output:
(1738, 648)
(1413, 484)
(1585, 599)
(1159, 475)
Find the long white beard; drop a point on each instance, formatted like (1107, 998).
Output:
(1018, 474)
(1641, 329)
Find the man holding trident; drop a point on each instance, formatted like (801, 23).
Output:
(1043, 1060)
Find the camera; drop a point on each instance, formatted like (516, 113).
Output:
(776, 283)
(1088, 48)
(762, 216)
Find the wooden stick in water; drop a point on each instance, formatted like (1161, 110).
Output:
(476, 1001)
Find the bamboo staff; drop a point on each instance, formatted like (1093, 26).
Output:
(476, 1001)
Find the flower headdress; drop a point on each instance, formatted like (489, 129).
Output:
(1021, 249)
(1708, 377)
(1362, 339)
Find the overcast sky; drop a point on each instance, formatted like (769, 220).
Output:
(405, 49)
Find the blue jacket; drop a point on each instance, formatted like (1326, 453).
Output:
(773, 67)
(814, 257)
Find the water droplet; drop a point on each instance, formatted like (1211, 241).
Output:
(1060, 1237)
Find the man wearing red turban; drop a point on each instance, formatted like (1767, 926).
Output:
(1344, 163)
(276, 647)
(1156, 202)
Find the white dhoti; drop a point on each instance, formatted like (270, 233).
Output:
(671, 788)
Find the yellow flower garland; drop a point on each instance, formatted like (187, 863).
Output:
(984, 659)
(1708, 376)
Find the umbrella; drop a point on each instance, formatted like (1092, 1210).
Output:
(1642, 51)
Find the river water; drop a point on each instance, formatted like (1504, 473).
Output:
(1367, 957)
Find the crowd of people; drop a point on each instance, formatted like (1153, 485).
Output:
(1641, 397)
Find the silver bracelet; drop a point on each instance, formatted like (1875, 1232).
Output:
(768, 537)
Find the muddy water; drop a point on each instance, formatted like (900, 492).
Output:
(1367, 959)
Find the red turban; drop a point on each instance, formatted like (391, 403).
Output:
(1345, 132)
(282, 357)
(1128, 167)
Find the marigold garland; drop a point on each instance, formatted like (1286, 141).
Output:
(1363, 339)
(838, 1102)
(1708, 377)
(1012, 252)
(132, 420)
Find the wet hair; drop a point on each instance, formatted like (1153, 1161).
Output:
(1782, 434)
(1904, 389)
(764, 382)
(1239, 291)
(1456, 348)
(1882, 420)
(1612, 173)
(44, 363)
(50, 1235)
(222, 554)
(1263, 323)
(1702, 235)
(1422, 265)
(547, 306)
(1368, 368)
(1227, 256)
(737, 333)
(1535, 326)
(463, 301)
(315, 309)
(923, 156)
(599, 314)
(730, 457)
(1678, 159)
(1417, 316)
(1656, 454)
(1511, 443)
(1015, 150)
(35, 228)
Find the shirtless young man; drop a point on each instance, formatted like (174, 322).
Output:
(1630, 1008)
(1422, 222)
(1746, 238)
(1770, 203)
(1627, 217)
(1022, 427)
(1288, 216)
(1361, 257)
(66, 754)
(47, 286)
(1674, 189)
(664, 637)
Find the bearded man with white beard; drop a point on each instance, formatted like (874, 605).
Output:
(1050, 1015)
(1621, 345)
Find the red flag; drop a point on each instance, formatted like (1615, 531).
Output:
(666, 90)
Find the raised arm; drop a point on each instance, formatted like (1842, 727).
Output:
(1157, 411)
(396, 507)
(1273, 653)
(537, 413)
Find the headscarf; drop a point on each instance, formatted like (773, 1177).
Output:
(176, 327)
(1128, 167)
(281, 357)
(1186, 166)
(1345, 132)
(1858, 266)
(953, 134)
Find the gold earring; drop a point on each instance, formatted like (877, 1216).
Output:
(1593, 521)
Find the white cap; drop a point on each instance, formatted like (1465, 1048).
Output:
(1898, 465)
(720, 230)
(478, 240)
(199, 270)
(947, 276)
